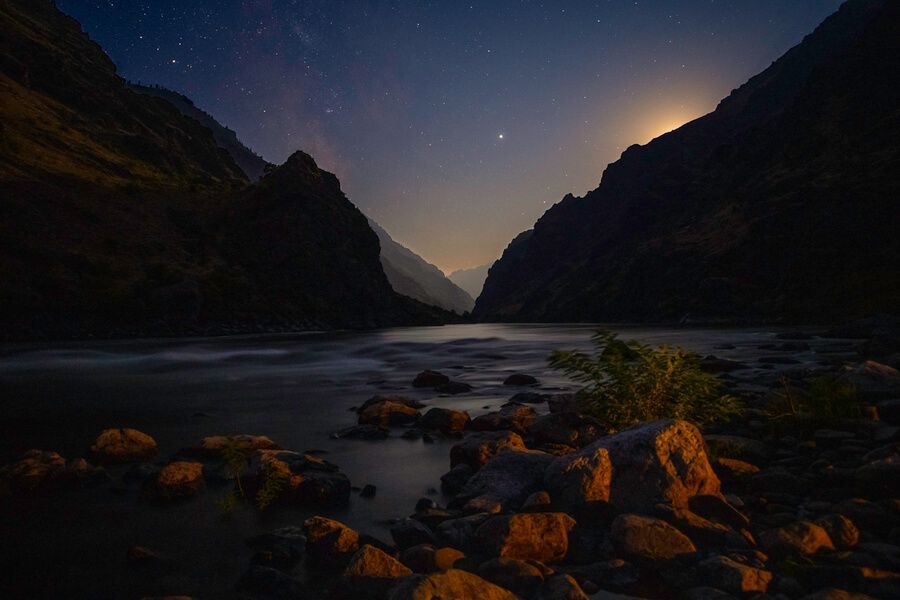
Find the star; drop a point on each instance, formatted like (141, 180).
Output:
(500, 136)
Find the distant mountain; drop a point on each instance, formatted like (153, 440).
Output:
(783, 204)
(119, 216)
(471, 280)
(412, 276)
(250, 163)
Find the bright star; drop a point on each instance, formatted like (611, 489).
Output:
(500, 136)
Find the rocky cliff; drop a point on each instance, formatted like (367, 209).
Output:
(782, 204)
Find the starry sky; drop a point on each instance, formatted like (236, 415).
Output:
(453, 124)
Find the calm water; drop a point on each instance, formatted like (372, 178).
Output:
(296, 389)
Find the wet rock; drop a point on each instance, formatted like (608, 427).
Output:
(512, 417)
(370, 573)
(124, 446)
(214, 446)
(506, 480)
(561, 587)
(361, 432)
(843, 533)
(520, 379)
(648, 540)
(731, 576)
(444, 420)
(454, 387)
(177, 480)
(516, 575)
(430, 379)
(453, 583)
(536, 536)
(454, 480)
(410, 532)
(281, 548)
(271, 584)
(800, 537)
(386, 413)
(478, 448)
(569, 429)
(329, 542)
(529, 398)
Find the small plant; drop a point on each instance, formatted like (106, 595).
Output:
(274, 480)
(629, 382)
(825, 401)
(235, 456)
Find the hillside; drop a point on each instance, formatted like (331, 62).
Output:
(780, 205)
(470, 280)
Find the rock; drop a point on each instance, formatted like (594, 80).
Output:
(800, 537)
(704, 533)
(444, 420)
(448, 585)
(529, 398)
(506, 480)
(889, 411)
(430, 379)
(569, 429)
(177, 480)
(306, 480)
(873, 380)
(410, 532)
(419, 558)
(718, 509)
(454, 480)
(511, 417)
(537, 502)
(843, 533)
(370, 573)
(741, 448)
(616, 575)
(329, 542)
(445, 558)
(361, 432)
(386, 413)
(516, 575)
(478, 448)
(536, 536)
(777, 480)
(269, 583)
(281, 548)
(214, 446)
(656, 462)
(124, 446)
(563, 403)
(561, 587)
(731, 576)
(36, 470)
(879, 478)
(454, 387)
(836, 594)
(732, 469)
(520, 379)
(458, 533)
(647, 539)
(406, 401)
(368, 491)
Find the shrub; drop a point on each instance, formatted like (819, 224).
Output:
(629, 382)
(826, 400)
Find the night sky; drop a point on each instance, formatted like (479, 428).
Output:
(453, 124)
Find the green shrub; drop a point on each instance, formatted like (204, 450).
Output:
(274, 480)
(826, 400)
(629, 382)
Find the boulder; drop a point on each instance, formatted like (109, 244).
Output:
(36, 470)
(361, 432)
(370, 573)
(388, 412)
(430, 379)
(646, 539)
(843, 533)
(518, 576)
(124, 446)
(425, 558)
(478, 448)
(177, 480)
(453, 388)
(568, 429)
(329, 542)
(305, 479)
(801, 537)
(534, 536)
(510, 417)
(561, 587)
(447, 585)
(389, 398)
(459, 533)
(214, 446)
(656, 462)
(444, 420)
(506, 480)
(704, 533)
(733, 470)
(731, 576)
(520, 379)
(453, 480)
(410, 532)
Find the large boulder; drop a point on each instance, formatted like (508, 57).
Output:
(478, 448)
(444, 420)
(329, 542)
(447, 585)
(646, 539)
(303, 479)
(370, 574)
(511, 417)
(797, 538)
(656, 462)
(504, 482)
(177, 480)
(387, 412)
(430, 379)
(39, 470)
(526, 536)
(520, 379)
(124, 446)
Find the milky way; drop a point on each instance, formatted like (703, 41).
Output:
(453, 124)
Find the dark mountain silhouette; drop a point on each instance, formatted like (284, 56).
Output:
(120, 216)
(413, 276)
(250, 163)
(780, 205)
(471, 280)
